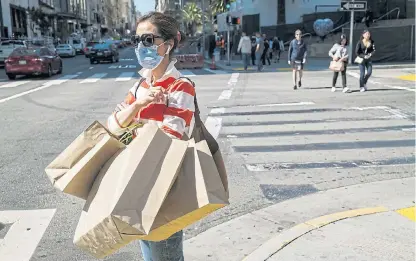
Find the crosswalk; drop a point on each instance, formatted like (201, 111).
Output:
(85, 78)
(302, 139)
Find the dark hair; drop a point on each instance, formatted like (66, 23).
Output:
(167, 27)
(362, 35)
(343, 36)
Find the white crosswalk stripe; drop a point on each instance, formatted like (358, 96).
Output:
(125, 76)
(14, 84)
(187, 73)
(94, 78)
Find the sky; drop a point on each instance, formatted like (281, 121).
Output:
(145, 6)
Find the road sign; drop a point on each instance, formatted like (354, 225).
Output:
(353, 6)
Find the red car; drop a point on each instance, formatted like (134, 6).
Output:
(33, 61)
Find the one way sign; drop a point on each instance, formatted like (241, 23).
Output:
(353, 6)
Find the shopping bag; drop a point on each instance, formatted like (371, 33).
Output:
(200, 133)
(197, 192)
(129, 191)
(75, 169)
(358, 60)
(336, 66)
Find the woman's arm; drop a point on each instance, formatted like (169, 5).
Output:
(332, 51)
(358, 50)
(180, 110)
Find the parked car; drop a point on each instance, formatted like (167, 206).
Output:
(78, 45)
(88, 48)
(66, 50)
(104, 52)
(7, 47)
(118, 43)
(33, 61)
(127, 41)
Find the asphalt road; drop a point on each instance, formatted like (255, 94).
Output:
(278, 143)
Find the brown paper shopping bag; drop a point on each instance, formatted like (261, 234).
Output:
(201, 133)
(197, 192)
(129, 191)
(75, 169)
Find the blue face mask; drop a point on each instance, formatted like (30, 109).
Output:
(148, 56)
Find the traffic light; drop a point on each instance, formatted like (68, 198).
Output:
(236, 20)
(227, 4)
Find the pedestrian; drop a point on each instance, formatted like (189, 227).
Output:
(339, 53)
(264, 55)
(245, 48)
(161, 97)
(368, 17)
(297, 58)
(271, 49)
(364, 51)
(253, 49)
(259, 51)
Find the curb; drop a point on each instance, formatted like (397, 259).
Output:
(279, 242)
(357, 75)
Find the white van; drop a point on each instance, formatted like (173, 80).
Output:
(78, 44)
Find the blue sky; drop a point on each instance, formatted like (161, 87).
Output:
(145, 6)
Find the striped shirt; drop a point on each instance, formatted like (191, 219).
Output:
(175, 118)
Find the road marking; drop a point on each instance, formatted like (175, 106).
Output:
(28, 227)
(91, 68)
(410, 213)
(94, 78)
(126, 59)
(129, 66)
(14, 84)
(217, 111)
(284, 104)
(213, 125)
(214, 71)
(225, 95)
(395, 112)
(125, 76)
(44, 86)
(233, 79)
(408, 77)
(356, 75)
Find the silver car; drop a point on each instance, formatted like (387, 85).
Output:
(66, 50)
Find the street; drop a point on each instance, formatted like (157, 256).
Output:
(279, 145)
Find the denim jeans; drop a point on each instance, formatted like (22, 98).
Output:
(246, 60)
(170, 249)
(365, 65)
(258, 61)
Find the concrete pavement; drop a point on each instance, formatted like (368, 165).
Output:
(312, 227)
(278, 144)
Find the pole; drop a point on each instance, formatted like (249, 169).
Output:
(203, 28)
(228, 45)
(351, 36)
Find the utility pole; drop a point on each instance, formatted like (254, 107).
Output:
(351, 35)
(203, 28)
(228, 39)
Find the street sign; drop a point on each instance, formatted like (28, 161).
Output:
(353, 6)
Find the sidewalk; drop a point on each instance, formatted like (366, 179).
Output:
(373, 221)
(312, 64)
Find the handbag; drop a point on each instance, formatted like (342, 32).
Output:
(337, 66)
(359, 60)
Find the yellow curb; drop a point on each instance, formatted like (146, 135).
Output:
(408, 77)
(410, 213)
(280, 241)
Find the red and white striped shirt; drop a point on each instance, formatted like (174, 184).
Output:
(174, 118)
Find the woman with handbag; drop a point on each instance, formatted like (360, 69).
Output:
(162, 97)
(364, 51)
(339, 54)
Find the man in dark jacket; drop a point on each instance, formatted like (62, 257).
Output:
(297, 58)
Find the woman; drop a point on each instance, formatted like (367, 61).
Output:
(339, 53)
(364, 51)
(161, 98)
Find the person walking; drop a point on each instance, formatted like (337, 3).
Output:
(244, 47)
(259, 51)
(364, 51)
(339, 53)
(253, 49)
(297, 58)
(264, 55)
(162, 97)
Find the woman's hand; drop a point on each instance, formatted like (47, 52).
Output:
(335, 58)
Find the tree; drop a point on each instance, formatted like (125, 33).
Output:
(218, 6)
(39, 18)
(192, 17)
